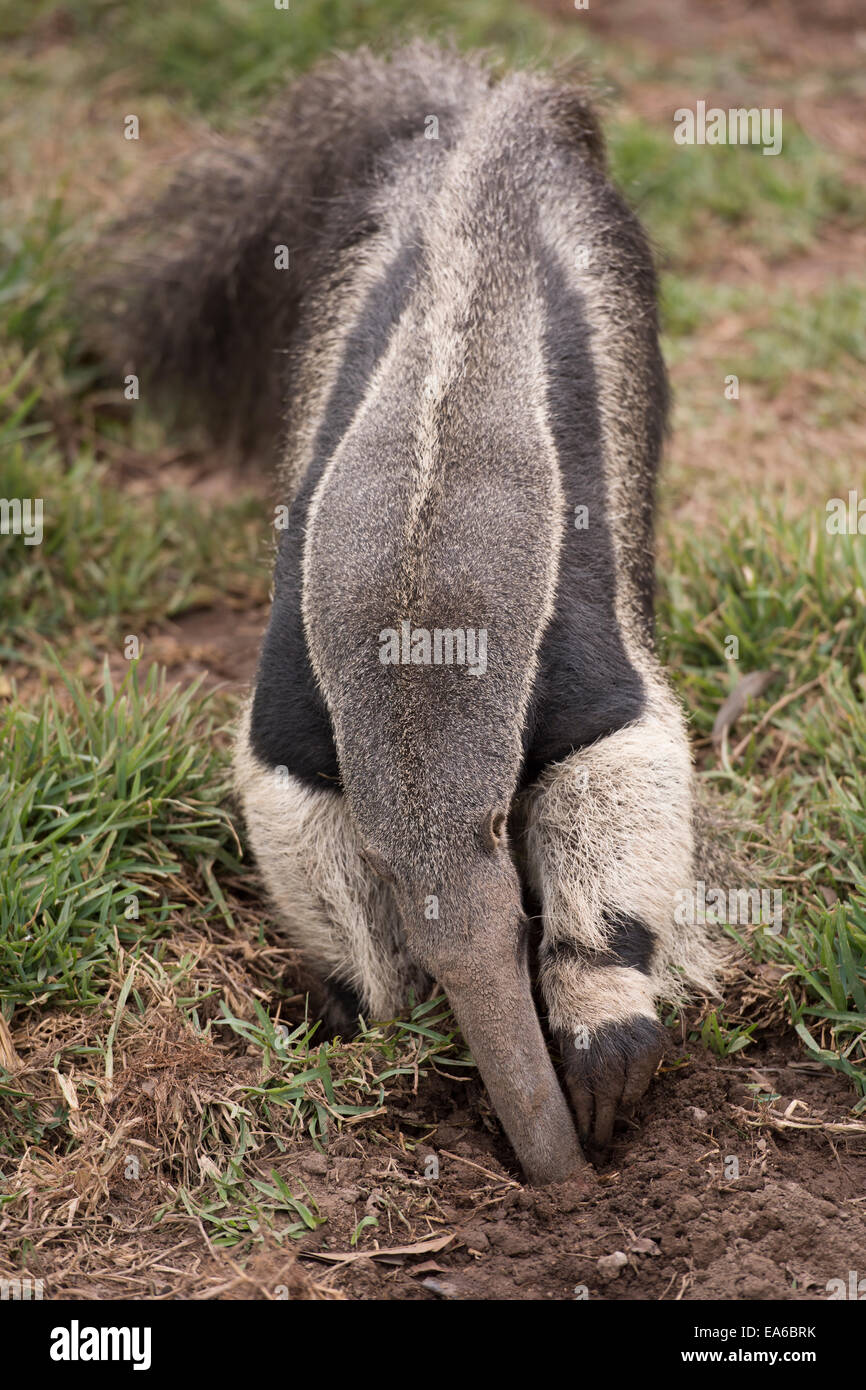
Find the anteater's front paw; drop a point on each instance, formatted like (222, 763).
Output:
(607, 1069)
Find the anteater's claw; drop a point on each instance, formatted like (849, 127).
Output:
(610, 1074)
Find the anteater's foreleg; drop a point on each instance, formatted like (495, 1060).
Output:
(336, 910)
(607, 840)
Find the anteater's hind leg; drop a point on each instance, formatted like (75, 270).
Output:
(606, 840)
(336, 910)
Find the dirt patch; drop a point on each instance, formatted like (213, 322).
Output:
(705, 1198)
(742, 1178)
(762, 452)
(779, 30)
(193, 469)
(839, 255)
(219, 644)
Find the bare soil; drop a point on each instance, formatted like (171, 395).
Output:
(715, 1191)
(792, 1219)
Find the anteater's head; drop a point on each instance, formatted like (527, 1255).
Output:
(464, 921)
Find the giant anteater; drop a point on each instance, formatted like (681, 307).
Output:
(461, 366)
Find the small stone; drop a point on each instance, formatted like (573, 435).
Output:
(315, 1163)
(688, 1208)
(610, 1266)
(443, 1288)
(697, 1114)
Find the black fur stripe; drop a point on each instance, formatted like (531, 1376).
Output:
(632, 944)
(290, 724)
(585, 687)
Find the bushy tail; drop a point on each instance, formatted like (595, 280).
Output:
(186, 293)
(185, 296)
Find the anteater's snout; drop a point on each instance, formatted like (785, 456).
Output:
(470, 936)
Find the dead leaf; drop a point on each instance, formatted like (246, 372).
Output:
(67, 1090)
(749, 688)
(8, 1056)
(643, 1246)
(344, 1257)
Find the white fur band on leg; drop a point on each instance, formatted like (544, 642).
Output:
(606, 994)
(337, 911)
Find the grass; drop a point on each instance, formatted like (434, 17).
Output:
(223, 54)
(697, 206)
(221, 1147)
(35, 280)
(132, 940)
(793, 597)
(110, 563)
(105, 798)
(291, 1063)
(785, 333)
